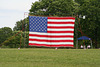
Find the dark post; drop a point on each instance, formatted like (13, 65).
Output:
(76, 32)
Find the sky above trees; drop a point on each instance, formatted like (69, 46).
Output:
(12, 11)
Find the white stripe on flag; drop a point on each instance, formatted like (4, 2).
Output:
(60, 29)
(49, 43)
(61, 25)
(55, 34)
(46, 38)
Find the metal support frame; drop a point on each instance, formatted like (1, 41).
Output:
(91, 43)
(25, 13)
(78, 16)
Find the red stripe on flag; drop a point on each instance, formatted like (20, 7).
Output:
(60, 45)
(61, 18)
(50, 40)
(52, 36)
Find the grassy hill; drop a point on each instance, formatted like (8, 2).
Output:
(39, 57)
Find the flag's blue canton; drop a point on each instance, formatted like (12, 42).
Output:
(37, 24)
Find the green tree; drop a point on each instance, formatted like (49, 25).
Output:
(18, 25)
(5, 32)
(22, 25)
(81, 2)
(13, 41)
(54, 7)
(90, 26)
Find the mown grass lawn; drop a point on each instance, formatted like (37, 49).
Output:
(39, 57)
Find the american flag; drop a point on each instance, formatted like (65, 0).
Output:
(51, 31)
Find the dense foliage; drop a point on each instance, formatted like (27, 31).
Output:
(90, 26)
(54, 7)
(5, 32)
(83, 27)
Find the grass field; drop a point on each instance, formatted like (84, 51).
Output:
(49, 57)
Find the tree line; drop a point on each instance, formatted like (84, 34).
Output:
(61, 8)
